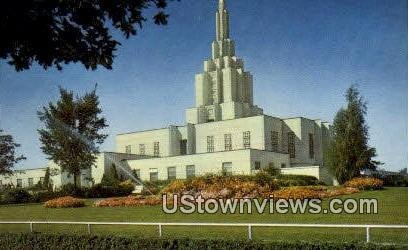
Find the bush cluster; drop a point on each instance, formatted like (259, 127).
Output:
(129, 201)
(364, 183)
(53, 241)
(219, 186)
(394, 180)
(298, 180)
(312, 192)
(64, 202)
(100, 190)
(154, 187)
(15, 196)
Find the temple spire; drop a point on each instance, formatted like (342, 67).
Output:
(221, 5)
(222, 21)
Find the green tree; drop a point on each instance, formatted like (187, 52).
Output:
(272, 170)
(55, 32)
(111, 178)
(8, 153)
(47, 180)
(349, 152)
(71, 135)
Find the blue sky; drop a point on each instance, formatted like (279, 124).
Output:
(303, 55)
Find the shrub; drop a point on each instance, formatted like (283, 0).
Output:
(216, 186)
(129, 201)
(312, 192)
(54, 241)
(299, 193)
(298, 180)
(394, 180)
(14, 196)
(41, 196)
(265, 179)
(365, 183)
(70, 190)
(154, 187)
(97, 191)
(272, 170)
(64, 202)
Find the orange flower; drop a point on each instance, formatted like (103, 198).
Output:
(129, 201)
(365, 183)
(64, 202)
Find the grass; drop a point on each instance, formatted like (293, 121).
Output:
(392, 209)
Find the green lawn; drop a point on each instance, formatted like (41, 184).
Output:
(392, 209)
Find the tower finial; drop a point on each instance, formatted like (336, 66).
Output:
(222, 21)
(221, 4)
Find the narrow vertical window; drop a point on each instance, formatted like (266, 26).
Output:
(190, 171)
(171, 173)
(154, 175)
(128, 149)
(142, 149)
(274, 141)
(156, 149)
(311, 146)
(19, 183)
(183, 147)
(228, 142)
(291, 145)
(247, 139)
(30, 182)
(227, 168)
(257, 165)
(210, 144)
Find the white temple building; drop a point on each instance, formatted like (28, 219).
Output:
(224, 132)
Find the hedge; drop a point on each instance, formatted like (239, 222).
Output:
(53, 241)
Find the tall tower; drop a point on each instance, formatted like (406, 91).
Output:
(224, 89)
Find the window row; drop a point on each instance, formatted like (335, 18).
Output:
(228, 142)
(190, 171)
(257, 165)
(142, 149)
(30, 182)
(292, 145)
(171, 173)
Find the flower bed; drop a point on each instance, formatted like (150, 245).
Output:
(129, 201)
(221, 187)
(312, 192)
(365, 183)
(64, 202)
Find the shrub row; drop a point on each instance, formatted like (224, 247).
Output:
(52, 241)
(129, 201)
(394, 180)
(64, 202)
(310, 192)
(15, 196)
(364, 183)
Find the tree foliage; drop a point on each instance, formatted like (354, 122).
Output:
(52, 32)
(8, 153)
(349, 152)
(71, 134)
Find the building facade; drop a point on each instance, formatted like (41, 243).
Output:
(224, 132)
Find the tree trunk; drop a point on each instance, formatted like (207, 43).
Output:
(75, 180)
